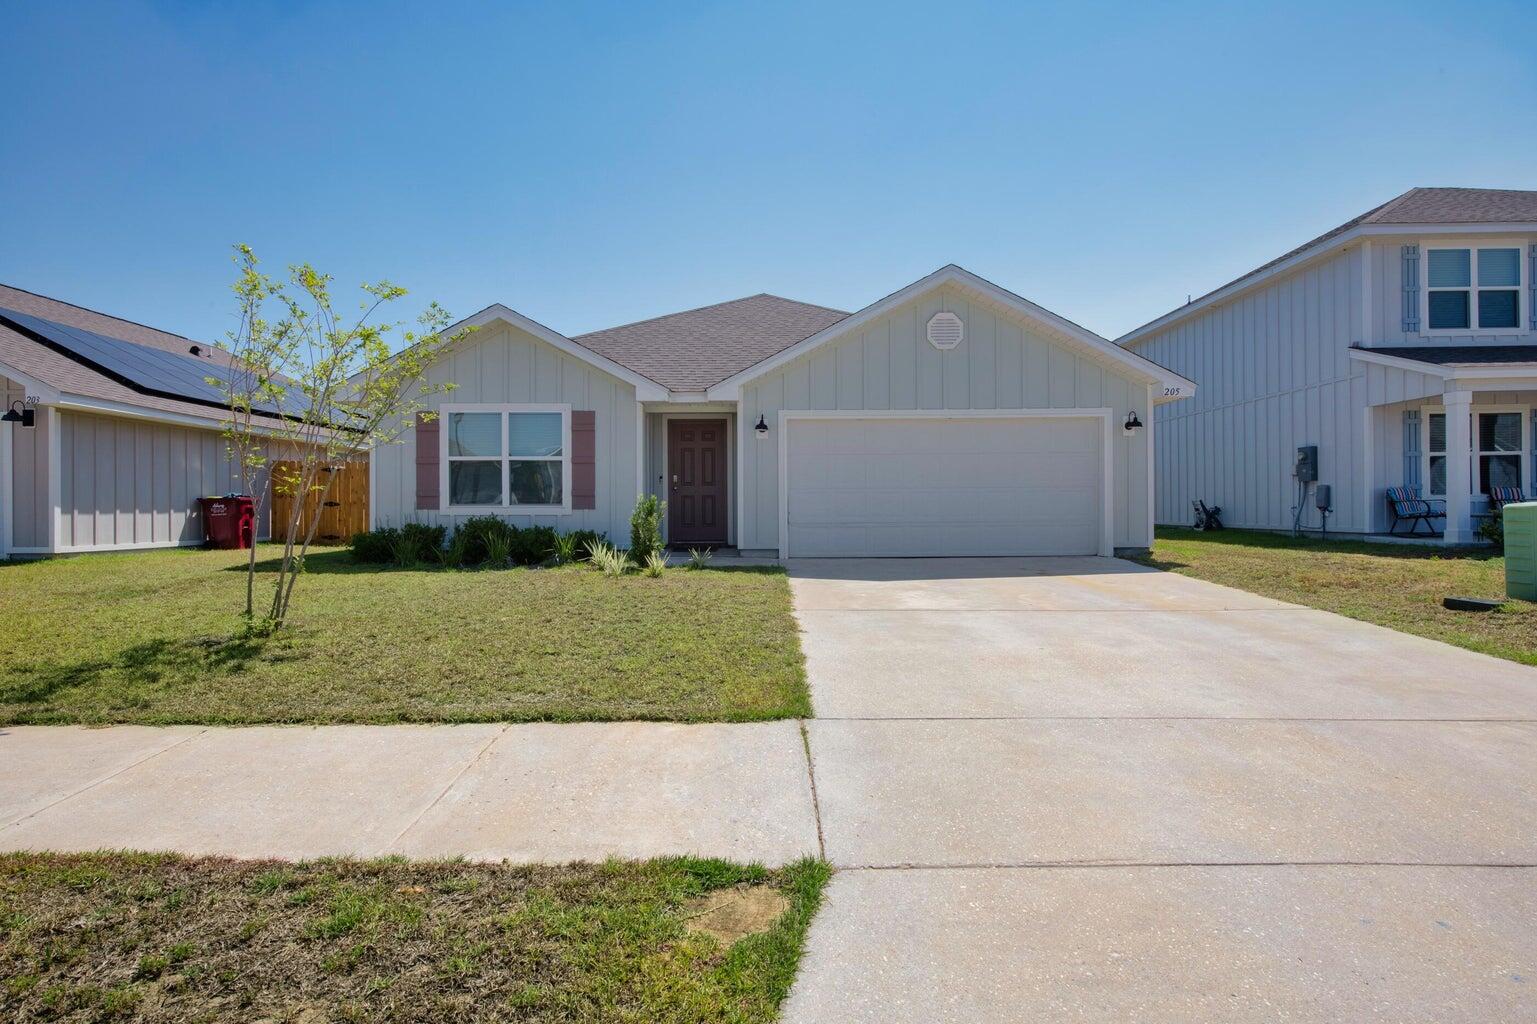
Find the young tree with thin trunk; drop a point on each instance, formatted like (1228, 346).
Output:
(319, 390)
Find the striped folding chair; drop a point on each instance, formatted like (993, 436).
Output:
(1406, 505)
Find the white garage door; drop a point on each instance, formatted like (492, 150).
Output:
(931, 486)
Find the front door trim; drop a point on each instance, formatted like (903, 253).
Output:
(1107, 451)
(726, 422)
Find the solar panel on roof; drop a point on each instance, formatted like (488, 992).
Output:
(151, 370)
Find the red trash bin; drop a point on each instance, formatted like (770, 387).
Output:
(230, 521)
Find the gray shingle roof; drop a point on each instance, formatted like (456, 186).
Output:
(1471, 355)
(72, 377)
(1458, 206)
(691, 350)
(1428, 206)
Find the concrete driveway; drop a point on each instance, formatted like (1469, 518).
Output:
(1081, 790)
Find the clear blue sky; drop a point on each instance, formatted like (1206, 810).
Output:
(592, 164)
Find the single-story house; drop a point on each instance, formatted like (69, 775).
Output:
(951, 417)
(1402, 345)
(112, 435)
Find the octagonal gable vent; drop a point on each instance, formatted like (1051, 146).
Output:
(946, 331)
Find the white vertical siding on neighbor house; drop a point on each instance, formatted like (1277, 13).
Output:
(502, 364)
(1274, 372)
(28, 466)
(1003, 363)
(129, 482)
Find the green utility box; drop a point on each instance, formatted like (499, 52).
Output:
(1521, 550)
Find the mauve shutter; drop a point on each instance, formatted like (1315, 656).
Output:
(1411, 323)
(427, 496)
(584, 459)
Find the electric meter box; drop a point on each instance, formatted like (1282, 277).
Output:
(1306, 467)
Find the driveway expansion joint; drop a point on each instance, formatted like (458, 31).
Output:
(448, 787)
(1168, 718)
(104, 779)
(1113, 864)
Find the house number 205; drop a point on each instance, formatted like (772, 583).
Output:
(1171, 392)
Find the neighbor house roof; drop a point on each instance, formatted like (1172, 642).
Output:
(1459, 355)
(1417, 206)
(691, 350)
(52, 369)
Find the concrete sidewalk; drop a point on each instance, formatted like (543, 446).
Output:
(539, 792)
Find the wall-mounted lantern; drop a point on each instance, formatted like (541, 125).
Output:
(761, 429)
(1132, 424)
(18, 413)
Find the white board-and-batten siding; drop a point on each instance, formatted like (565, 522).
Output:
(1274, 372)
(129, 483)
(27, 464)
(504, 364)
(1004, 362)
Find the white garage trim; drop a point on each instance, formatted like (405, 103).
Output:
(1106, 451)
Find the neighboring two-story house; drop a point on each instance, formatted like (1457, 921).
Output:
(1403, 344)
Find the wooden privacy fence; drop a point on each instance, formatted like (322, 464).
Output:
(343, 513)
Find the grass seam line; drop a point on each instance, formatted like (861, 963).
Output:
(811, 776)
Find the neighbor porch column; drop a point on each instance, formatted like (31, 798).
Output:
(1459, 467)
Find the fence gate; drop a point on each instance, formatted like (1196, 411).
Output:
(343, 513)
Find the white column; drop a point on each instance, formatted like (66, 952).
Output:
(1459, 467)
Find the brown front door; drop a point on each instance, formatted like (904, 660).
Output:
(696, 488)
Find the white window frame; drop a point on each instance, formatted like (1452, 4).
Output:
(1473, 288)
(1477, 453)
(505, 508)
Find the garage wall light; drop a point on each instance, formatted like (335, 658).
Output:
(1132, 424)
(19, 413)
(761, 429)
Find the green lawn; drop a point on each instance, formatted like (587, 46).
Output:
(155, 637)
(1398, 586)
(165, 938)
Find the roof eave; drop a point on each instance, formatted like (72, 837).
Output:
(1446, 371)
(1247, 283)
(646, 389)
(730, 388)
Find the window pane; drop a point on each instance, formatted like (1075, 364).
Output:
(1438, 474)
(536, 483)
(534, 433)
(1499, 431)
(1437, 432)
(1448, 310)
(1498, 471)
(474, 483)
(1449, 268)
(475, 433)
(1499, 266)
(1497, 309)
